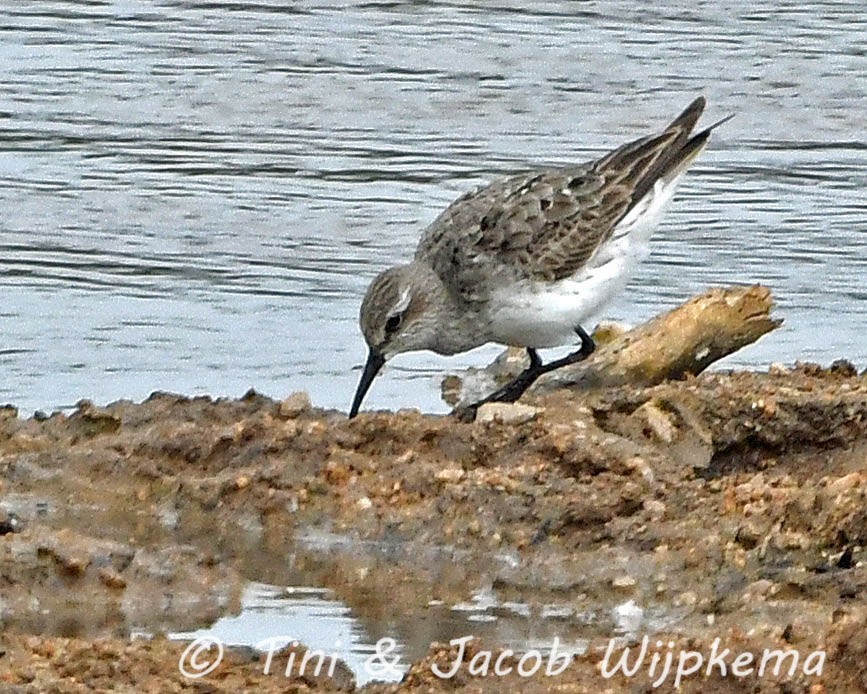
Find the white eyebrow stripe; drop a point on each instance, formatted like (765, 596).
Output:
(403, 302)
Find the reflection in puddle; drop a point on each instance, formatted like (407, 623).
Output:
(273, 617)
(429, 598)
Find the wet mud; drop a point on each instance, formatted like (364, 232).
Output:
(730, 506)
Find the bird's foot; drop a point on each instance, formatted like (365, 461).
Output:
(518, 386)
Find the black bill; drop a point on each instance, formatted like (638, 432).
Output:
(371, 368)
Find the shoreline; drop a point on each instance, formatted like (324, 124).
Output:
(733, 503)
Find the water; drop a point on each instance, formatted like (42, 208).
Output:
(194, 195)
(272, 617)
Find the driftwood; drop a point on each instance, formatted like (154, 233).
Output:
(673, 345)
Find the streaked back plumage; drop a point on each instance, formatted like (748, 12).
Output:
(545, 225)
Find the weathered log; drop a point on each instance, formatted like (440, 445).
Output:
(673, 345)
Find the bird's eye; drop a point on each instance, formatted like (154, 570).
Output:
(393, 323)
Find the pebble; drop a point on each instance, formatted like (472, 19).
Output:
(405, 458)
(658, 422)
(295, 405)
(640, 465)
(450, 475)
(507, 412)
(111, 578)
(686, 599)
(655, 508)
(623, 582)
(845, 483)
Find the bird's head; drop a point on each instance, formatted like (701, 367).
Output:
(399, 314)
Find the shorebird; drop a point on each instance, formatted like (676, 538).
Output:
(526, 260)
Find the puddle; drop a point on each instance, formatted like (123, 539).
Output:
(342, 596)
(273, 616)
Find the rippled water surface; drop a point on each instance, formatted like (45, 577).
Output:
(194, 195)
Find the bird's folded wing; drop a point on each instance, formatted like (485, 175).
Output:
(544, 226)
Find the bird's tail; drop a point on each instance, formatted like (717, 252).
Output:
(680, 159)
(640, 164)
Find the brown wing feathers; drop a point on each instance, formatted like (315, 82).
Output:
(640, 164)
(628, 174)
(545, 225)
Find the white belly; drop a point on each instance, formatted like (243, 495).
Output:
(545, 315)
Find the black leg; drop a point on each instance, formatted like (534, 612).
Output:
(517, 387)
(587, 348)
(535, 359)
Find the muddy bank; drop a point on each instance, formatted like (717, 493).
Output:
(727, 505)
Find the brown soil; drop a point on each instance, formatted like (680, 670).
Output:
(736, 502)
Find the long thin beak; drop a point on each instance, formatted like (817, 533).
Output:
(374, 363)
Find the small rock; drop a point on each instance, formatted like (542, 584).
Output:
(337, 472)
(842, 484)
(242, 482)
(564, 437)
(757, 482)
(757, 590)
(641, 466)
(623, 582)
(608, 331)
(71, 555)
(792, 540)
(749, 535)
(364, 503)
(450, 475)
(92, 421)
(843, 367)
(295, 405)
(656, 422)
(507, 412)
(628, 616)
(686, 599)
(316, 486)
(655, 508)
(405, 458)
(111, 578)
